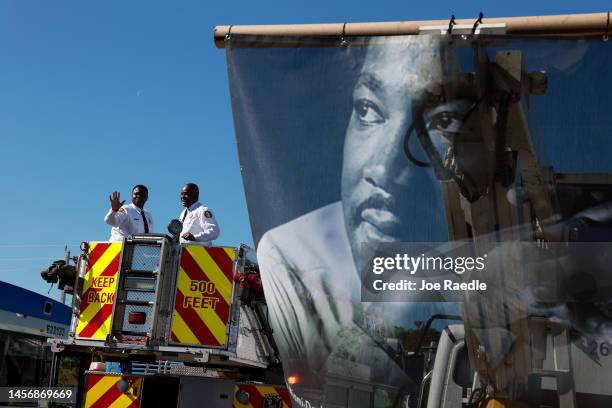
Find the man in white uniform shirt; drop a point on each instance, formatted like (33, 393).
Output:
(129, 219)
(199, 223)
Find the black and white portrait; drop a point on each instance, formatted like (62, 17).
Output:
(333, 163)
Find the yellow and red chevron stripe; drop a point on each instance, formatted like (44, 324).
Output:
(258, 394)
(203, 296)
(102, 391)
(98, 293)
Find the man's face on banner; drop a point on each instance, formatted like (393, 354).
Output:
(382, 193)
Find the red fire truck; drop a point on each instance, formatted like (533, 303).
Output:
(156, 323)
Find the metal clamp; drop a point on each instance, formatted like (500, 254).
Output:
(228, 36)
(343, 41)
(464, 30)
(451, 23)
(477, 22)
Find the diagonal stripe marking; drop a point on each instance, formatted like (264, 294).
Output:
(97, 322)
(98, 390)
(181, 333)
(212, 271)
(210, 317)
(216, 326)
(221, 308)
(222, 260)
(92, 379)
(111, 269)
(110, 396)
(197, 271)
(129, 400)
(95, 251)
(104, 329)
(219, 315)
(88, 311)
(189, 271)
(101, 264)
(197, 327)
(231, 252)
(124, 401)
(135, 403)
(195, 324)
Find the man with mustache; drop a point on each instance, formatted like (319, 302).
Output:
(312, 263)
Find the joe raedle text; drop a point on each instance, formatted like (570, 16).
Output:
(423, 285)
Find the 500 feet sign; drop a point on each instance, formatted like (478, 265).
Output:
(203, 296)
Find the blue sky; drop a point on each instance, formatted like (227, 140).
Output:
(96, 97)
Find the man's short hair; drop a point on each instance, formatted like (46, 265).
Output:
(194, 187)
(142, 187)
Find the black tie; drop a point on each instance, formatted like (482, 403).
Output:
(184, 215)
(144, 219)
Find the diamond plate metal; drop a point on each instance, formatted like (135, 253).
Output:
(192, 371)
(140, 296)
(146, 257)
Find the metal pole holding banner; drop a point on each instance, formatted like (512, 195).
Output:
(594, 24)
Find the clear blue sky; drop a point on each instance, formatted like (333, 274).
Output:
(96, 97)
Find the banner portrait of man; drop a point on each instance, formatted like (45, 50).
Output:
(330, 169)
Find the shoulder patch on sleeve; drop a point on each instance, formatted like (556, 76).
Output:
(121, 209)
(208, 214)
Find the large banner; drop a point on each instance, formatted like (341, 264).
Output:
(346, 149)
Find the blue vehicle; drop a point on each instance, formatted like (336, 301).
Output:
(27, 320)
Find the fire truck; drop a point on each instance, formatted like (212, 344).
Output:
(157, 323)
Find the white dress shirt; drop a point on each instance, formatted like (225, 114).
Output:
(127, 221)
(200, 221)
(313, 292)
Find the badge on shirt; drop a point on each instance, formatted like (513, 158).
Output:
(207, 214)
